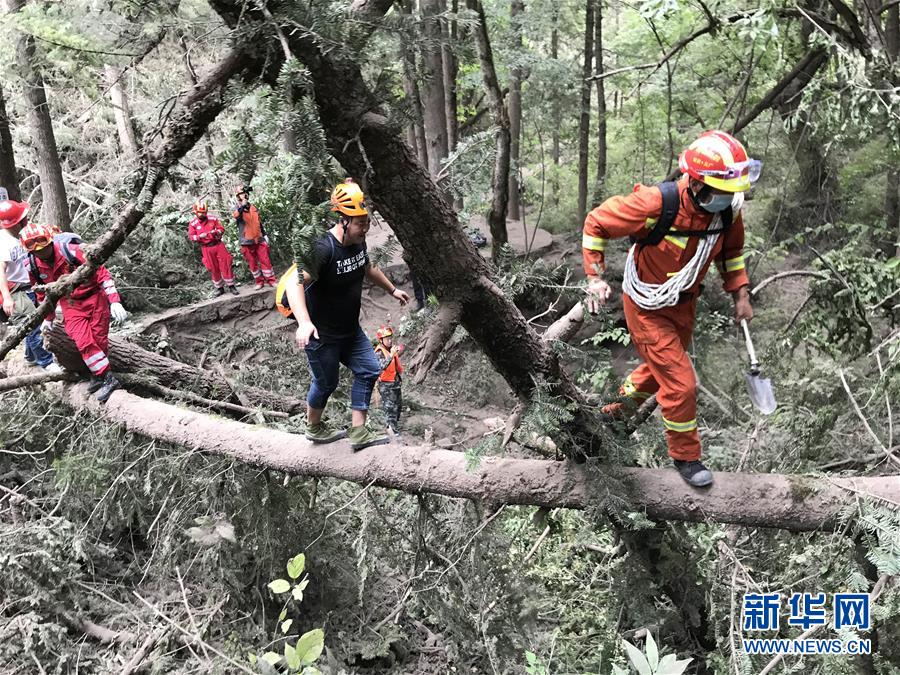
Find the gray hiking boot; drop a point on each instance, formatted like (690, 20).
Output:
(364, 437)
(694, 473)
(324, 433)
(95, 384)
(108, 386)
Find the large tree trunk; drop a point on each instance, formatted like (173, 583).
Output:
(9, 178)
(796, 503)
(126, 357)
(122, 111)
(517, 11)
(584, 126)
(54, 205)
(500, 181)
(451, 68)
(601, 105)
(370, 146)
(434, 99)
(556, 122)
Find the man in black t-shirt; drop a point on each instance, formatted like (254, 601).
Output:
(327, 313)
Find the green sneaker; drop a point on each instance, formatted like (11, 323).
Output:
(363, 437)
(324, 433)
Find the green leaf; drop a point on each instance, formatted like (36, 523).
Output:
(272, 658)
(296, 565)
(619, 671)
(310, 645)
(677, 668)
(286, 625)
(298, 590)
(283, 615)
(652, 652)
(279, 586)
(637, 658)
(292, 657)
(531, 657)
(252, 658)
(665, 663)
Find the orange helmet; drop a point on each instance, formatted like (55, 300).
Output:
(34, 237)
(200, 207)
(348, 198)
(11, 213)
(719, 160)
(383, 332)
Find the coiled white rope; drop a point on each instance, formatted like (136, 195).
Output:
(656, 296)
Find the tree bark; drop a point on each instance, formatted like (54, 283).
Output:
(9, 177)
(601, 105)
(450, 70)
(54, 204)
(517, 10)
(122, 111)
(791, 502)
(584, 126)
(500, 180)
(126, 357)
(434, 99)
(432, 344)
(413, 94)
(555, 108)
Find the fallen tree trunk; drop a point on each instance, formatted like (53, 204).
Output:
(125, 357)
(10, 383)
(791, 502)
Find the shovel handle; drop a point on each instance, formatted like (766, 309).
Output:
(754, 364)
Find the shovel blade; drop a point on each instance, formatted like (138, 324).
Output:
(761, 394)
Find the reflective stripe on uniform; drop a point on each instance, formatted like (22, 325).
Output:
(690, 425)
(593, 243)
(93, 358)
(680, 242)
(100, 366)
(631, 391)
(734, 264)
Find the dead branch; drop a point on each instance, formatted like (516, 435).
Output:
(10, 383)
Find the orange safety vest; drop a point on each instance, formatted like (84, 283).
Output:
(393, 369)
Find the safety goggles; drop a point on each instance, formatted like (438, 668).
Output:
(37, 243)
(752, 168)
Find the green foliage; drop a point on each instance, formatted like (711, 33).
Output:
(649, 663)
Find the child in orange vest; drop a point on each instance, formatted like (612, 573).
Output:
(389, 381)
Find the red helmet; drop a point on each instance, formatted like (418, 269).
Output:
(11, 213)
(242, 189)
(719, 160)
(200, 207)
(34, 237)
(383, 332)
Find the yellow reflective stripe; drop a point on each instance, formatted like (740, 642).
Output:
(734, 264)
(671, 274)
(631, 391)
(690, 425)
(651, 222)
(680, 242)
(593, 243)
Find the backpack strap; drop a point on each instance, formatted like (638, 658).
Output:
(670, 204)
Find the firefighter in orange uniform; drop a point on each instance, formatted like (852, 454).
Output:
(662, 281)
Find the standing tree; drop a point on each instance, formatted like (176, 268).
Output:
(434, 102)
(8, 176)
(500, 182)
(584, 126)
(121, 109)
(601, 104)
(55, 207)
(517, 11)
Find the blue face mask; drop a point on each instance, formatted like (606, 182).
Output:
(717, 203)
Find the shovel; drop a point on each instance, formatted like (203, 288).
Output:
(759, 388)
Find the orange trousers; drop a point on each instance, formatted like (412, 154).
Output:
(661, 338)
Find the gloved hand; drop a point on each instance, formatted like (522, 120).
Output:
(46, 325)
(118, 313)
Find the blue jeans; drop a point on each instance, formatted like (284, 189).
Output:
(34, 343)
(325, 359)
